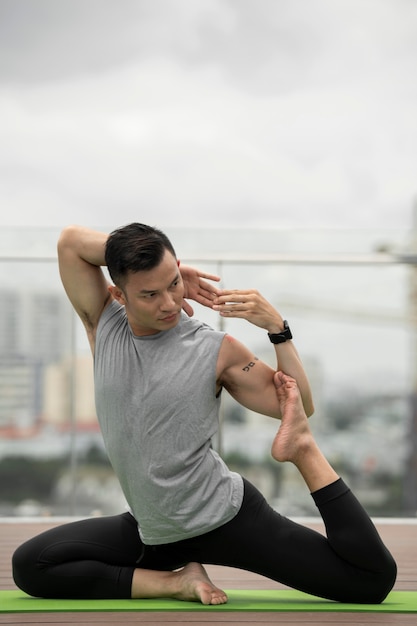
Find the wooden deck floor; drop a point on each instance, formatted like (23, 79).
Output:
(400, 536)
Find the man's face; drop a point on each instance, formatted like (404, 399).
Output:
(153, 299)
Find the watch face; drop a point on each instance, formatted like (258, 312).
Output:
(281, 337)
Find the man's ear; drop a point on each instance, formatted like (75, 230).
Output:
(117, 294)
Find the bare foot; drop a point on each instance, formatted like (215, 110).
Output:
(294, 436)
(294, 441)
(195, 585)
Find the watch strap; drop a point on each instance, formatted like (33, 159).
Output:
(281, 337)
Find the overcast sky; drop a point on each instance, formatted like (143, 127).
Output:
(249, 113)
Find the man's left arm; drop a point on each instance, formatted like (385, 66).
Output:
(248, 379)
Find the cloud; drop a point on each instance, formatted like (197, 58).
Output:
(211, 113)
(45, 40)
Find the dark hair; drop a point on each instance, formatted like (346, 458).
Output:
(134, 248)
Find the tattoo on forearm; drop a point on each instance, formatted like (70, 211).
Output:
(251, 364)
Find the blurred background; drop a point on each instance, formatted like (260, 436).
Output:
(275, 142)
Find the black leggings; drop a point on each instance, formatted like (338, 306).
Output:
(96, 558)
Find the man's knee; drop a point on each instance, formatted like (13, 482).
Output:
(388, 578)
(381, 584)
(25, 569)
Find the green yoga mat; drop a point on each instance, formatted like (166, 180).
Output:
(239, 600)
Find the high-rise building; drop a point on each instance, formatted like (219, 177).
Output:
(9, 321)
(35, 331)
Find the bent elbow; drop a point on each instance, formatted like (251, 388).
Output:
(67, 236)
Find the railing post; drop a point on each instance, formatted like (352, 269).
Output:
(410, 478)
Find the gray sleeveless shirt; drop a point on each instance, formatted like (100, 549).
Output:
(157, 407)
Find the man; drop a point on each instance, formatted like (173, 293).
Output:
(158, 379)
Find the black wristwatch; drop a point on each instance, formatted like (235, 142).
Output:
(281, 337)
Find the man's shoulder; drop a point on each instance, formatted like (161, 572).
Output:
(113, 311)
(234, 352)
(197, 331)
(193, 324)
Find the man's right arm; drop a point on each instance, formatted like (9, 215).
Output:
(80, 256)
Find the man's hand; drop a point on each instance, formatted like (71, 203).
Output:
(251, 306)
(198, 289)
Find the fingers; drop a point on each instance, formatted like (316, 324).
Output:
(233, 297)
(236, 302)
(205, 295)
(209, 276)
(284, 379)
(234, 309)
(237, 294)
(187, 308)
(249, 305)
(208, 290)
(188, 271)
